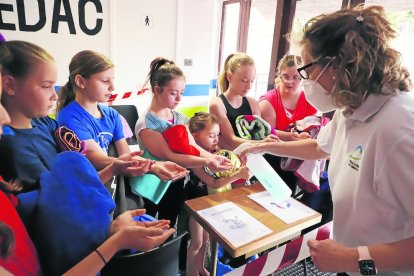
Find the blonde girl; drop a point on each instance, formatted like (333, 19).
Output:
(235, 82)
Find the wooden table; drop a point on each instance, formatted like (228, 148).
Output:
(281, 231)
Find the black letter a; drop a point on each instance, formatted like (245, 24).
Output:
(66, 17)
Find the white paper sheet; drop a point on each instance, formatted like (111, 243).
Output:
(289, 211)
(266, 175)
(269, 179)
(234, 224)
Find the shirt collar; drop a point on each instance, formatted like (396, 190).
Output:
(370, 107)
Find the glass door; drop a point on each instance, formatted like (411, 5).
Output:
(259, 42)
(233, 32)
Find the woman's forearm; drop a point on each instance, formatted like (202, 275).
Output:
(397, 256)
(306, 149)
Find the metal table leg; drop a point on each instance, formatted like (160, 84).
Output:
(214, 252)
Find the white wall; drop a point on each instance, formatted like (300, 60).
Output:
(134, 45)
(61, 45)
(197, 39)
(179, 29)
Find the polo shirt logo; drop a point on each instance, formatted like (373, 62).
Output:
(355, 157)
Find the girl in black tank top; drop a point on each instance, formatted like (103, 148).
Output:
(234, 81)
(232, 113)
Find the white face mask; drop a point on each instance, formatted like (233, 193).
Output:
(316, 95)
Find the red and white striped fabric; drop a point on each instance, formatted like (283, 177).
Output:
(284, 256)
(126, 95)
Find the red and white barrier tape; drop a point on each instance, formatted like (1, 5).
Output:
(126, 95)
(284, 256)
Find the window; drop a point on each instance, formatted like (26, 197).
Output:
(401, 15)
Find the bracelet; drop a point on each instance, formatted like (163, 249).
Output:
(100, 255)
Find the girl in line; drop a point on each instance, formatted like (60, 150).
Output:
(91, 82)
(235, 82)
(18, 255)
(167, 83)
(205, 129)
(286, 103)
(30, 148)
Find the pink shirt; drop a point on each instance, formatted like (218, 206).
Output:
(285, 117)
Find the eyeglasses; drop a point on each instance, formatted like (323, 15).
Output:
(302, 70)
(286, 78)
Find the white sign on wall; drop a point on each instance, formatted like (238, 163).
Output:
(147, 21)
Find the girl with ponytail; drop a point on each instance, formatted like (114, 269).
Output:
(168, 83)
(90, 83)
(235, 82)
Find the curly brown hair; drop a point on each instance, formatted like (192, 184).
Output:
(357, 40)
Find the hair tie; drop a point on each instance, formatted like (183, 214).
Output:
(100, 255)
(359, 18)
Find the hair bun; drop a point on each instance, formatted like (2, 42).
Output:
(158, 62)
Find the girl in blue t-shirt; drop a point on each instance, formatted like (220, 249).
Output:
(30, 148)
(28, 75)
(91, 82)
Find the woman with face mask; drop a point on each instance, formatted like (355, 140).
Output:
(351, 68)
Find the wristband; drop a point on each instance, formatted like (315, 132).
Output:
(100, 255)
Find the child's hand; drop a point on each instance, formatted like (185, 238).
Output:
(130, 156)
(131, 168)
(168, 170)
(304, 135)
(299, 136)
(127, 219)
(219, 163)
(139, 235)
(294, 136)
(142, 238)
(271, 138)
(244, 173)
